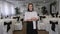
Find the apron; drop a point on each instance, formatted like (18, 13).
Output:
(30, 29)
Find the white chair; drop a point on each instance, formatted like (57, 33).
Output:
(18, 26)
(1, 27)
(59, 26)
(4, 27)
(42, 24)
(48, 27)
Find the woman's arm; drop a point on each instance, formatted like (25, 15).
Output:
(35, 17)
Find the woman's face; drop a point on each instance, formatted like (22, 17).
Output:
(30, 7)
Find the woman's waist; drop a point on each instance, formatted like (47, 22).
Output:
(29, 21)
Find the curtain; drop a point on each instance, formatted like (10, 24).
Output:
(7, 9)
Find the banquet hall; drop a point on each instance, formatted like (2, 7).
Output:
(12, 15)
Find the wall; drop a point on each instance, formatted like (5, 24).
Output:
(22, 8)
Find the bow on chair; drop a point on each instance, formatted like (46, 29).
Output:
(17, 18)
(8, 25)
(42, 17)
(53, 25)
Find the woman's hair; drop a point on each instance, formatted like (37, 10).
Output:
(32, 6)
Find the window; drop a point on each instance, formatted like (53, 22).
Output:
(7, 9)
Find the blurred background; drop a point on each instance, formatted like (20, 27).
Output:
(8, 7)
(16, 8)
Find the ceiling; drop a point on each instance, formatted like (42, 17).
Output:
(18, 2)
(27, 1)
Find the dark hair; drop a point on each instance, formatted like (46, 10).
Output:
(32, 6)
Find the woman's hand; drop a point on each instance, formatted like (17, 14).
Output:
(34, 19)
(28, 20)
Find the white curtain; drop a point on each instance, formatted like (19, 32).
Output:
(7, 9)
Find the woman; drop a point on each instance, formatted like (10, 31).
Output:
(29, 17)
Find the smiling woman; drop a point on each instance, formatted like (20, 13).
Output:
(31, 18)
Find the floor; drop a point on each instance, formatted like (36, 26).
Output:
(17, 32)
(23, 31)
(39, 32)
